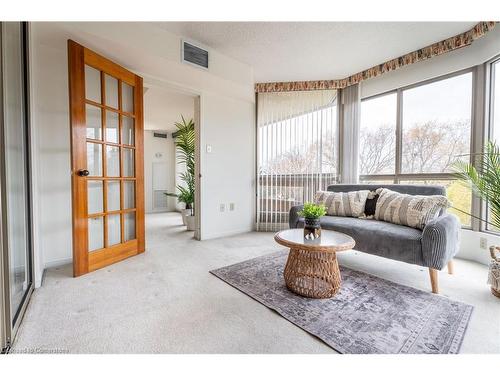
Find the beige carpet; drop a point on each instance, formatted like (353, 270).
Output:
(165, 301)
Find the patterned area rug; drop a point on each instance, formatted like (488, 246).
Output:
(368, 315)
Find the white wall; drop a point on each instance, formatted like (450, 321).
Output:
(470, 246)
(51, 120)
(228, 127)
(226, 91)
(162, 151)
(480, 51)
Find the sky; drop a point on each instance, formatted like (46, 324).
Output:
(445, 100)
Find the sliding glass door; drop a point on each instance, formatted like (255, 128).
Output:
(15, 182)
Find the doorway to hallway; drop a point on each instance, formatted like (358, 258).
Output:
(171, 118)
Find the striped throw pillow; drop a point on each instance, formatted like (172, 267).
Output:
(410, 210)
(343, 204)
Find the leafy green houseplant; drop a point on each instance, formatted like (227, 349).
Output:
(484, 179)
(185, 145)
(312, 213)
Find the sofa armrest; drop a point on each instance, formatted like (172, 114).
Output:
(440, 241)
(293, 219)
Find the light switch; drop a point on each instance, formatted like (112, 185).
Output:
(209, 149)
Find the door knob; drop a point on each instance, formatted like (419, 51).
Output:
(83, 173)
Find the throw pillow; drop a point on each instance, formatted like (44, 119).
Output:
(411, 210)
(343, 204)
(371, 204)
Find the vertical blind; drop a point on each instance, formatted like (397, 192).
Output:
(297, 151)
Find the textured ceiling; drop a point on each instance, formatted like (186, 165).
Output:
(294, 51)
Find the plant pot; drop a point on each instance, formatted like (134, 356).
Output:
(190, 221)
(312, 229)
(494, 272)
(185, 212)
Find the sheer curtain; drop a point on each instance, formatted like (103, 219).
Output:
(297, 151)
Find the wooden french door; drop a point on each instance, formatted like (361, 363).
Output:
(106, 117)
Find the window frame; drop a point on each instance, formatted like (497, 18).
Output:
(490, 74)
(398, 176)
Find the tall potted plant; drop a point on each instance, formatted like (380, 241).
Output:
(185, 145)
(485, 182)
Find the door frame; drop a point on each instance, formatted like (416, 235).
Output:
(9, 325)
(151, 81)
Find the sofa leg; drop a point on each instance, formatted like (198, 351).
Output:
(450, 267)
(434, 280)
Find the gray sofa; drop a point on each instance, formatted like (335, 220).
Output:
(433, 247)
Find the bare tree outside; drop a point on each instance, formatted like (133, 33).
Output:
(433, 146)
(377, 150)
(428, 147)
(317, 157)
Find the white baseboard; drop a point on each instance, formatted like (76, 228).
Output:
(38, 280)
(225, 234)
(58, 262)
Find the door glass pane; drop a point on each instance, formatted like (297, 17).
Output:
(14, 128)
(94, 120)
(128, 194)
(111, 127)
(113, 200)
(111, 86)
(436, 125)
(96, 233)
(377, 145)
(112, 161)
(114, 231)
(128, 162)
(94, 194)
(94, 159)
(127, 130)
(129, 225)
(127, 98)
(92, 84)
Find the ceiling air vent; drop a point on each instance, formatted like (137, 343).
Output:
(192, 54)
(160, 135)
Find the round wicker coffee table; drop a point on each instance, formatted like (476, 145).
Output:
(312, 269)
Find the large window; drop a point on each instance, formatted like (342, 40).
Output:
(420, 142)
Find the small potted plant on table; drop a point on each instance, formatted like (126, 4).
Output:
(312, 214)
